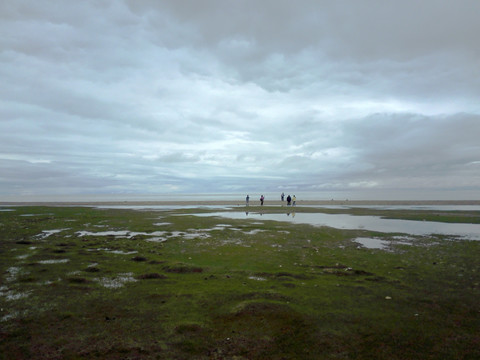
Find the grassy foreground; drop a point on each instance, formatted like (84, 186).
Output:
(164, 286)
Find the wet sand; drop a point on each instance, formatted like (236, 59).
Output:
(242, 203)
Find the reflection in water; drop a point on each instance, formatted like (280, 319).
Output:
(373, 223)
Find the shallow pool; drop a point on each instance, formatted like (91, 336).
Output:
(373, 223)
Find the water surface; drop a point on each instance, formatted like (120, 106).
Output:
(373, 223)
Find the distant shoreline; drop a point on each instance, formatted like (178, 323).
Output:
(240, 203)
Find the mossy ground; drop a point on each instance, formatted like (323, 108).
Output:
(188, 287)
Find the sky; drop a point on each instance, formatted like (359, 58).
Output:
(372, 99)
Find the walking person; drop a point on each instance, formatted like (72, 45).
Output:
(262, 198)
(247, 200)
(289, 199)
(294, 200)
(282, 196)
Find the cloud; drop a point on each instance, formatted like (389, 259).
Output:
(170, 96)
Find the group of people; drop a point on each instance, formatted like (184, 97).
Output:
(290, 200)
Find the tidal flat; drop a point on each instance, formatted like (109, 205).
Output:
(111, 283)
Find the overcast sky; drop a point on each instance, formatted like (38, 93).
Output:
(248, 96)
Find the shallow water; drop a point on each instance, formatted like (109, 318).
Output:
(162, 207)
(46, 233)
(403, 207)
(377, 243)
(373, 223)
(371, 243)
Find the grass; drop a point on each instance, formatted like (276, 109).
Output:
(189, 289)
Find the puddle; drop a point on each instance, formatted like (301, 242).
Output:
(117, 252)
(120, 252)
(253, 232)
(156, 239)
(163, 207)
(12, 295)
(404, 240)
(46, 233)
(176, 234)
(102, 233)
(120, 233)
(161, 236)
(54, 261)
(13, 315)
(117, 282)
(154, 233)
(257, 278)
(13, 273)
(220, 227)
(190, 236)
(402, 207)
(370, 243)
(372, 223)
(49, 214)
